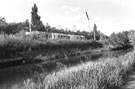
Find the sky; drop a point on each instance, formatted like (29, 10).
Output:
(109, 15)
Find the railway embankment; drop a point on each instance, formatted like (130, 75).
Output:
(29, 50)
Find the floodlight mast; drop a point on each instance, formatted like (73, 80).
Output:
(89, 24)
(88, 20)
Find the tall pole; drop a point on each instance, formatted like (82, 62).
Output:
(29, 26)
(94, 29)
(88, 20)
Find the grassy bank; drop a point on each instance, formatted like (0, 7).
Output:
(104, 74)
(29, 48)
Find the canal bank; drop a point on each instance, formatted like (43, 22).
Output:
(17, 74)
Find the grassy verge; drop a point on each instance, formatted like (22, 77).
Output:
(105, 74)
(29, 48)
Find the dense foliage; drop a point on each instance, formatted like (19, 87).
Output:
(12, 28)
(120, 39)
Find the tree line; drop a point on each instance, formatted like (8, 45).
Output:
(117, 39)
(37, 25)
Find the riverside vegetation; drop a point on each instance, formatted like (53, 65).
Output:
(110, 73)
(29, 49)
(102, 74)
(24, 54)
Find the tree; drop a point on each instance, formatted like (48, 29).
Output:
(2, 21)
(95, 28)
(131, 36)
(35, 19)
(103, 37)
(47, 27)
(119, 39)
(96, 33)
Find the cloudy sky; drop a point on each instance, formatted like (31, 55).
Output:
(109, 15)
